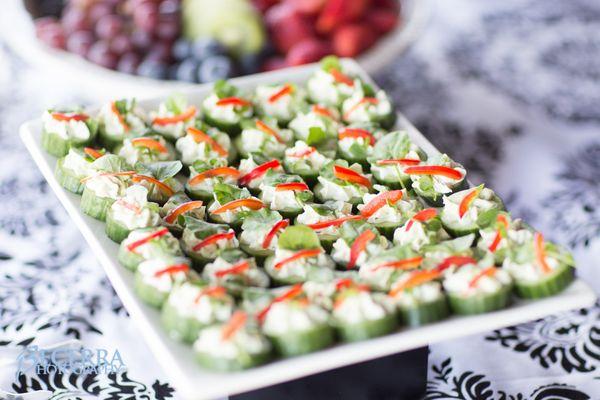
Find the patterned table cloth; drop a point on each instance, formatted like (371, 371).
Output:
(509, 88)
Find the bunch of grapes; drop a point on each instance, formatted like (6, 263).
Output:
(137, 37)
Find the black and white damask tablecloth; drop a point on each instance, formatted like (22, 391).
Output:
(509, 88)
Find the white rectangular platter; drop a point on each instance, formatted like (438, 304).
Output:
(191, 381)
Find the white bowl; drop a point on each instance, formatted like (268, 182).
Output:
(17, 30)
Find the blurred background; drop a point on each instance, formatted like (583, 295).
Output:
(509, 88)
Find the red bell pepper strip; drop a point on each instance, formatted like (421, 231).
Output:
(391, 197)
(309, 253)
(163, 187)
(466, 202)
(121, 118)
(405, 264)
(416, 278)
(213, 291)
(285, 90)
(184, 116)
(356, 133)
(237, 321)
(500, 219)
(490, 271)
(200, 136)
(261, 126)
(69, 117)
(142, 241)
(171, 217)
(340, 77)
(364, 100)
(259, 171)
(540, 253)
(323, 111)
(458, 261)
(399, 161)
(302, 153)
(294, 292)
(349, 175)
(212, 239)
(237, 269)
(233, 101)
(149, 143)
(421, 216)
(333, 222)
(273, 231)
(211, 173)
(348, 283)
(172, 269)
(95, 154)
(358, 246)
(439, 170)
(293, 186)
(253, 204)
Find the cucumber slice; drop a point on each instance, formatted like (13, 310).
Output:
(178, 327)
(402, 181)
(129, 259)
(149, 294)
(555, 283)
(198, 194)
(54, 144)
(94, 206)
(232, 128)
(67, 179)
(424, 313)
(240, 363)
(366, 329)
(480, 303)
(457, 230)
(303, 342)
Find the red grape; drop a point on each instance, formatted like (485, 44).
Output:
(100, 54)
(160, 51)
(167, 28)
(145, 16)
(142, 40)
(50, 32)
(74, 19)
(109, 26)
(168, 7)
(129, 63)
(80, 42)
(121, 44)
(99, 10)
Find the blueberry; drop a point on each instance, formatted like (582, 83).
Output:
(250, 63)
(181, 49)
(153, 69)
(187, 71)
(206, 47)
(214, 68)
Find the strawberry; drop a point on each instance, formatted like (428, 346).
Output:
(350, 40)
(287, 26)
(307, 51)
(338, 12)
(308, 7)
(264, 5)
(382, 20)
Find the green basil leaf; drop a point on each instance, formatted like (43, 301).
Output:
(298, 237)
(111, 163)
(315, 135)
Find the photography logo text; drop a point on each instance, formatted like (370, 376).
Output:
(68, 360)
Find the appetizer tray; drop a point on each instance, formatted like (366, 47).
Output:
(177, 359)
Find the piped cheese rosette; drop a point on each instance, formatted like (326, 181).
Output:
(438, 176)
(358, 242)
(325, 219)
(173, 117)
(280, 102)
(63, 129)
(120, 119)
(298, 252)
(260, 232)
(234, 270)
(421, 229)
(194, 305)
(339, 181)
(203, 241)
(388, 209)
(465, 212)
(203, 142)
(155, 278)
(129, 212)
(145, 244)
(539, 268)
(204, 175)
(478, 287)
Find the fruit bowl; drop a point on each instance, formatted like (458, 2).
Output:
(18, 31)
